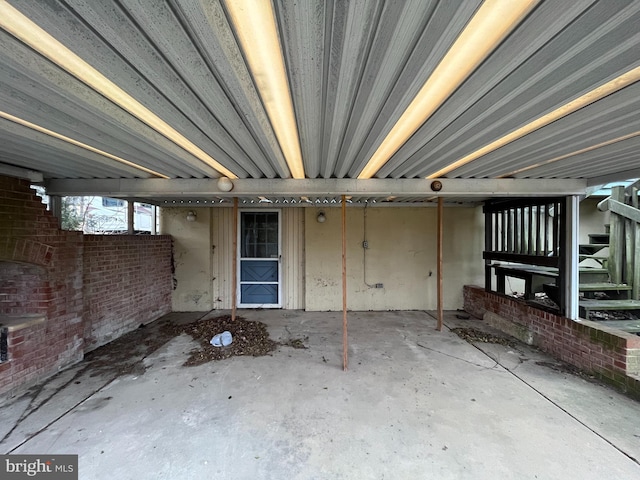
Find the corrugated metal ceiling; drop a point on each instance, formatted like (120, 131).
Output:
(353, 68)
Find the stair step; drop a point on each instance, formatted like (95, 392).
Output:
(593, 275)
(587, 306)
(591, 248)
(603, 287)
(599, 238)
(594, 257)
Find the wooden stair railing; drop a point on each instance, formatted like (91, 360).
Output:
(624, 242)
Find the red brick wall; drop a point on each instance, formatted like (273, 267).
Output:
(41, 274)
(98, 286)
(127, 282)
(611, 354)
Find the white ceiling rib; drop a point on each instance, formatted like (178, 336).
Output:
(353, 67)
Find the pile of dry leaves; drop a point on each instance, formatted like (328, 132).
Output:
(249, 338)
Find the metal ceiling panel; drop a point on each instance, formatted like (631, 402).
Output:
(353, 68)
(595, 47)
(56, 158)
(613, 117)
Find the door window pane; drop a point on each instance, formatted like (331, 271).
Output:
(259, 234)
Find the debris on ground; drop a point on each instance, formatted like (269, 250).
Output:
(565, 368)
(605, 315)
(223, 339)
(295, 343)
(249, 338)
(472, 335)
(122, 356)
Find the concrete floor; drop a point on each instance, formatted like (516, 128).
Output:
(414, 404)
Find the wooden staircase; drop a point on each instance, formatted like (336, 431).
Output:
(609, 265)
(524, 240)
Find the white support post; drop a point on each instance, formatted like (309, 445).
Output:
(55, 205)
(571, 261)
(154, 220)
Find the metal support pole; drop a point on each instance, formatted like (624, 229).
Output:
(344, 285)
(439, 269)
(234, 281)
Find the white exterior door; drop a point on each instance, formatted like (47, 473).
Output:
(259, 260)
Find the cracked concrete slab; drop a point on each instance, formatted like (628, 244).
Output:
(415, 403)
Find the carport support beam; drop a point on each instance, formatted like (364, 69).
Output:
(344, 284)
(571, 237)
(55, 203)
(439, 269)
(130, 210)
(234, 268)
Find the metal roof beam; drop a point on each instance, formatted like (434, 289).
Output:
(176, 188)
(11, 171)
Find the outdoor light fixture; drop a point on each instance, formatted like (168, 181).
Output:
(436, 185)
(21, 27)
(191, 216)
(225, 184)
(255, 26)
(493, 21)
(321, 218)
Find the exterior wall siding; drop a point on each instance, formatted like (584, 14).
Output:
(222, 257)
(204, 257)
(400, 255)
(293, 259)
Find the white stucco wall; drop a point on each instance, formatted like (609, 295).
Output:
(203, 257)
(401, 255)
(192, 257)
(592, 220)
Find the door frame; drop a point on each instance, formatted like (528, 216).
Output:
(238, 292)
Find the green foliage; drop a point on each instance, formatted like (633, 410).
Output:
(71, 217)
